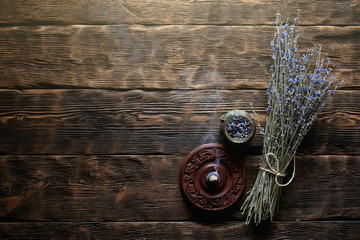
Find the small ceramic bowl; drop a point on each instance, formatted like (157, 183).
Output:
(237, 126)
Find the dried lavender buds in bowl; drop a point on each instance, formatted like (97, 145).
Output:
(237, 126)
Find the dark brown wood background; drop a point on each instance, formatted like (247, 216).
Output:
(101, 100)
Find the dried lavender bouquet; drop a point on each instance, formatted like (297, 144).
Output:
(298, 90)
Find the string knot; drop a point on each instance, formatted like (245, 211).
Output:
(276, 171)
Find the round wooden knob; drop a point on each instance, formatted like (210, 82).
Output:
(213, 179)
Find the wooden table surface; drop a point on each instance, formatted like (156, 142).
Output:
(101, 101)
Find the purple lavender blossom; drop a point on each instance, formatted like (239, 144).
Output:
(239, 127)
(296, 95)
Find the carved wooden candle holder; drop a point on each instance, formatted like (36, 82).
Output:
(211, 179)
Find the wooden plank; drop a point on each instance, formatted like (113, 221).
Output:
(146, 188)
(180, 230)
(159, 57)
(158, 122)
(324, 12)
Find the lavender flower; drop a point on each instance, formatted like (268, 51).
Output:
(239, 127)
(296, 95)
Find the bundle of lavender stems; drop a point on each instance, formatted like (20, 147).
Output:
(299, 88)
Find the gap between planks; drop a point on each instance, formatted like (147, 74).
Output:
(60, 24)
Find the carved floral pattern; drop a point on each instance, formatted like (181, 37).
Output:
(210, 154)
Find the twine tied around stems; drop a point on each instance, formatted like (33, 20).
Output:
(276, 171)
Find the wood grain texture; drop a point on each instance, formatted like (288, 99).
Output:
(321, 12)
(143, 122)
(180, 230)
(160, 57)
(146, 188)
(100, 101)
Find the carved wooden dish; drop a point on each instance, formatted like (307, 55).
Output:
(210, 184)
